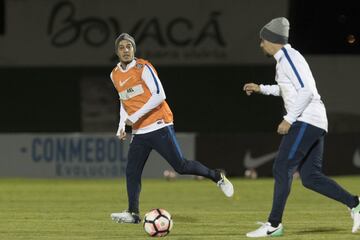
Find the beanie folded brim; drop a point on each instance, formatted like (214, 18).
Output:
(270, 36)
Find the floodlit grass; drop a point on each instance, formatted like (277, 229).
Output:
(80, 209)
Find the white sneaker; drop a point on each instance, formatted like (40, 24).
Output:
(266, 230)
(125, 217)
(225, 185)
(355, 215)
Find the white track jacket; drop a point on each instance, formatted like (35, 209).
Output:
(296, 85)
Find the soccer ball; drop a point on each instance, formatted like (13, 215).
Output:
(158, 223)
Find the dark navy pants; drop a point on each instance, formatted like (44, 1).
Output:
(302, 149)
(165, 143)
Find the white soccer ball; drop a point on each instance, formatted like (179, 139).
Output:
(158, 223)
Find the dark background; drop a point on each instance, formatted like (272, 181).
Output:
(2, 17)
(325, 27)
(202, 98)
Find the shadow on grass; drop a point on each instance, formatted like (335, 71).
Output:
(319, 230)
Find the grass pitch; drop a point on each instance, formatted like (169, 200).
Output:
(80, 209)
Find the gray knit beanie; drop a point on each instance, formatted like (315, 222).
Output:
(124, 36)
(276, 31)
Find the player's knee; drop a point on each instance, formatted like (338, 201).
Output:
(308, 181)
(181, 168)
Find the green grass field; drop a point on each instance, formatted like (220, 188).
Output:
(80, 209)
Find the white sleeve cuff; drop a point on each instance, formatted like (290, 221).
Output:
(133, 118)
(262, 90)
(289, 119)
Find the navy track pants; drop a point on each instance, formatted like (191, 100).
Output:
(164, 142)
(302, 149)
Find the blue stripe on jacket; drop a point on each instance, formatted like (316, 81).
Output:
(293, 66)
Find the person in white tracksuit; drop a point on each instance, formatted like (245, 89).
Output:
(303, 128)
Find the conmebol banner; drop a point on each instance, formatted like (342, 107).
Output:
(82, 32)
(76, 156)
